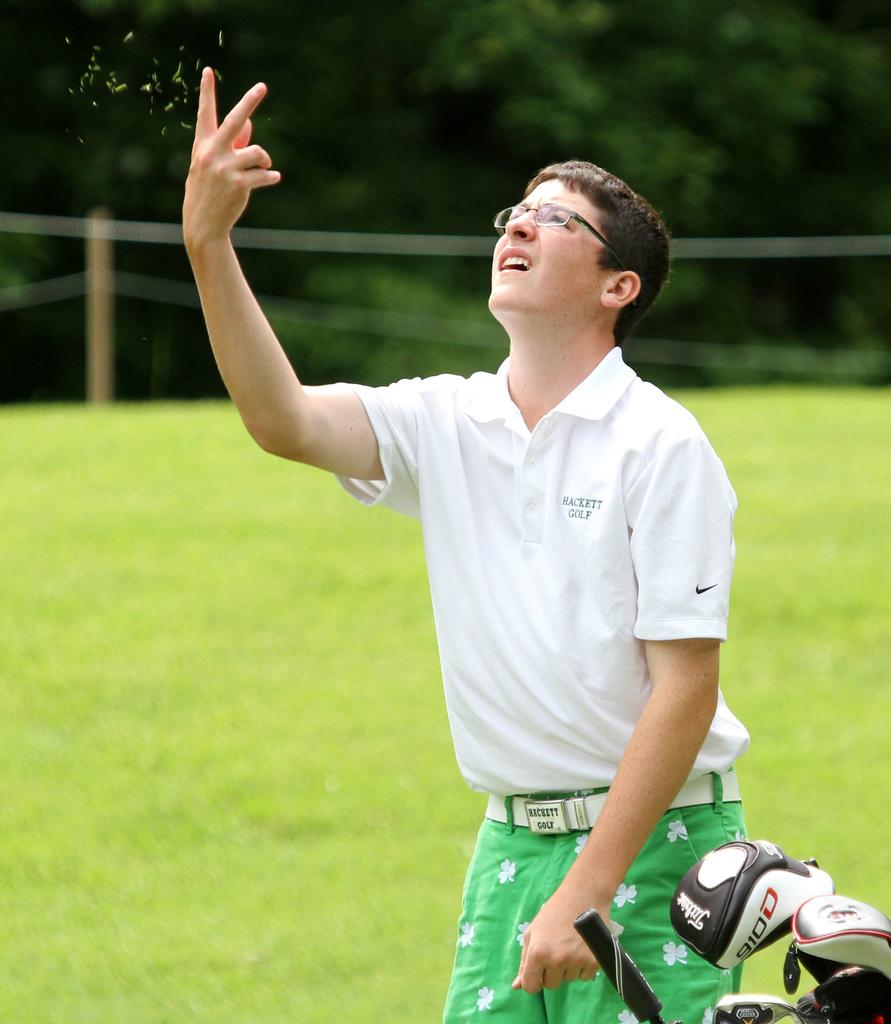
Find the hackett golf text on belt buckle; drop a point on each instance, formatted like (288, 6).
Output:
(547, 817)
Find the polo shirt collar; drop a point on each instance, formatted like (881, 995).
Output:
(592, 399)
(489, 398)
(601, 389)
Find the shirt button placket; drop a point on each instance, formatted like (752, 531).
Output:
(532, 495)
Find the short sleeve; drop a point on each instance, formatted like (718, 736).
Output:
(680, 512)
(393, 412)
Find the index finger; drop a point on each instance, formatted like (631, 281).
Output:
(235, 120)
(530, 976)
(206, 121)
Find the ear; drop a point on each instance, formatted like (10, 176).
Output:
(620, 290)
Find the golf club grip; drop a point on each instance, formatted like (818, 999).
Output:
(618, 966)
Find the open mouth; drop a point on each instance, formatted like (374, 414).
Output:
(518, 263)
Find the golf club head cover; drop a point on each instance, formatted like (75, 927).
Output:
(850, 995)
(831, 931)
(741, 897)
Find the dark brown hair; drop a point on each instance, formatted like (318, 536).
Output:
(633, 228)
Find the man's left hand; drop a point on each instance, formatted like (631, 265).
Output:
(553, 952)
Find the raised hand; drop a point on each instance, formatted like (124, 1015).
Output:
(225, 168)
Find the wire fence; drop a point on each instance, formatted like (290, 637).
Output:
(100, 231)
(376, 244)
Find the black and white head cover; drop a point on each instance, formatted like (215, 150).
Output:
(741, 897)
(832, 931)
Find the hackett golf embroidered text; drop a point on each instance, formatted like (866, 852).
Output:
(580, 508)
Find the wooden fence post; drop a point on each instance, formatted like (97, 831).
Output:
(100, 307)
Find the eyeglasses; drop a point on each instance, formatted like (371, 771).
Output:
(551, 216)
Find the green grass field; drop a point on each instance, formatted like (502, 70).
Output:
(228, 787)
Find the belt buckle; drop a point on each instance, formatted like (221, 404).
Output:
(546, 817)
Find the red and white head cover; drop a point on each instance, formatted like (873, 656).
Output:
(844, 931)
(741, 897)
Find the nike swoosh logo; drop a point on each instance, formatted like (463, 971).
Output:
(702, 590)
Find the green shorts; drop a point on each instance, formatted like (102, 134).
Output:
(513, 872)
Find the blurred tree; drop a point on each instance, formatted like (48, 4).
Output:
(746, 118)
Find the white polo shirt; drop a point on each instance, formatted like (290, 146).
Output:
(551, 555)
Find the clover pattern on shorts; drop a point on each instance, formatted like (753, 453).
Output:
(486, 995)
(521, 931)
(676, 830)
(465, 939)
(580, 842)
(625, 894)
(709, 1016)
(507, 872)
(674, 953)
(627, 1017)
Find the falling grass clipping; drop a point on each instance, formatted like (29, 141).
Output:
(166, 86)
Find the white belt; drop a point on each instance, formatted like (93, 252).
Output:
(576, 814)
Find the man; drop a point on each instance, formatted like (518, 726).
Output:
(578, 535)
